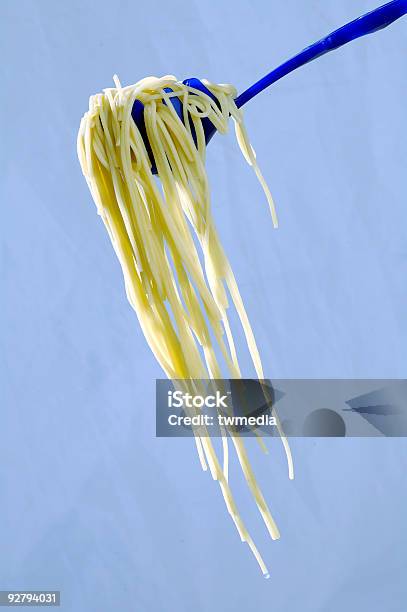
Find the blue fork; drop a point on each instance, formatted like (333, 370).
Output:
(366, 24)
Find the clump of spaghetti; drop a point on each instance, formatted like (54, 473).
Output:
(181, 305)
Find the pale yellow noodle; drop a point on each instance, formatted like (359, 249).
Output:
(181, 306)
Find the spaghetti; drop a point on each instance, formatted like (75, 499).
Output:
(159, 230)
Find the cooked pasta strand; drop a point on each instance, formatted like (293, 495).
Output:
(181, 305)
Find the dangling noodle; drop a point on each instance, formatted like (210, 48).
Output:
(181, 307)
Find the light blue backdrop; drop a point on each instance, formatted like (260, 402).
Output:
(90, 502)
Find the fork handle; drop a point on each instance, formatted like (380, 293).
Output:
(366, 24)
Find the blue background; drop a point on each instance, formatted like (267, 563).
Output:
(90, 501)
